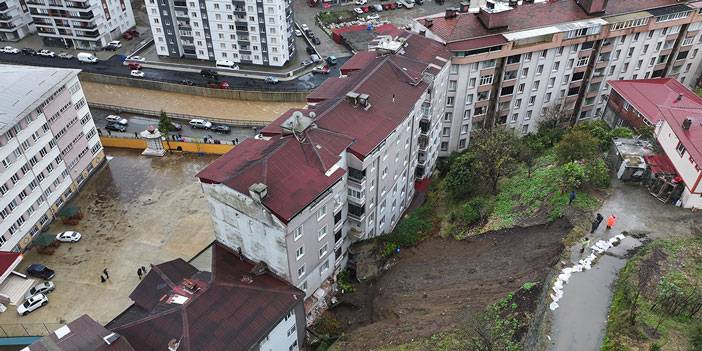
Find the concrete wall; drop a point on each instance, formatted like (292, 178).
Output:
(126, 143)
(683, 164)
(277, 96)
(278, 338)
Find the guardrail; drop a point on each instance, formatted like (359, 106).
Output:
(28, 329)
(178, 116)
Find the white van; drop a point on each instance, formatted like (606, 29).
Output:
(227, 64)
(86, 57)
(200, 123)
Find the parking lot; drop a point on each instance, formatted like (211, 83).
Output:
(137, 211)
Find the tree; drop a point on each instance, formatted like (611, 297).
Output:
(572, 176)
(494, 154)
(461, 180)
(165, 125)
(528, 152)
(577, 145)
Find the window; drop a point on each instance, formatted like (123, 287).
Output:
(322, 212)
(444, 147)
(543, 53)
(672, 16)
(446, 131)
(471, 83)
(680, 149)
(484, 80)
(322, 232)
(539, 69)
(547, 98)
(525, 72)
(323, 251)
(293, 346)
(582, 61)
(520, 89)
(556, 65)
(469, 99)
(300, 252)
(630, 53)
(447, 117)
(535, 86)
(450, 100)
(324, 268)
(532, 100)
(528, 116)
(517, 103)
(452, 85)
(527, 56)
(291, 330)
(551, 82)
(628, 24)
(301, 271)
(453, 69)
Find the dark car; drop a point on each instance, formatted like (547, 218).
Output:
(115, 127)
(208, 73)
(187, 82)
(316, 40)
(331, 60)
(29, 51)
(134, 66)
(310, 50)
(40, 271)
(221, 128)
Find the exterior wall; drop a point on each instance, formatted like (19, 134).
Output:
(669, 48)
(619, 113)
(240, 31)
(34, 172)
(15, 21)
(684, 165)
(432, 115)
(239, 222)
(285, 335)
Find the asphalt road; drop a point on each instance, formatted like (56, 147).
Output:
(140, 123)
(114, 67)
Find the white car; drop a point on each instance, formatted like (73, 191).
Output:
(68, 237)
(10, 50)
(117, 119)
(200, 123)
(32, 304)
(304, 27)
(43, 288)
(298, 33)
(358, 11)
(46, 53)
(360, 2)
(136, 59)
(115, 43)
(136, 73)
(372, 17)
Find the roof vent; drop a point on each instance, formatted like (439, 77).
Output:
(680, 96)
(258, 191)
(593, 7)
(364, 101)
(451, 12)
(110, 339)
(464, 6)
(296, 123)
(686, 124)
(352, 97)
(428, 22)
(173, 345)
(494, 15)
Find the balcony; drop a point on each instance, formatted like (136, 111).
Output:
(357, 177)
(424, 127)
(423, 142)
(357, 213)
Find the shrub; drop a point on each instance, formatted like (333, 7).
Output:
(327, 325)
(697, 338)
(577, 145)
(598, 174)
(476, 209)
(572, 176)
(344, 282)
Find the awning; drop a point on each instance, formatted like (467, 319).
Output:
(660, 164)
(8, 263)
(627, 17)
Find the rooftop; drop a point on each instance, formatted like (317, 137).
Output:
(232, 308)
(528, 16)
(669, 100)
(22, 87)
(83, 334)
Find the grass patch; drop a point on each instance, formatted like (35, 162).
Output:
(333, 17)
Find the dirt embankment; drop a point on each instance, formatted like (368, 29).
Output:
(440, 284)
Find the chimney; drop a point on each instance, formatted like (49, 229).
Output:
(686, 124)
(364, 101)
(352, 98)
(111, 338)
(464, 6)
(450, 13)
(593, 7)
(428, 22)
(494, 15)
(258, 191)
(680, 96)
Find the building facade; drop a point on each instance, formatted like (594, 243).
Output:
(340, 170)
(48, 147)
(81, 24)
(15, 21)
(251, 32)
(509, 64)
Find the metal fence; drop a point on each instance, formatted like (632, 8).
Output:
(28, 329)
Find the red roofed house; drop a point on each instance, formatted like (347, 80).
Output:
(341, 169)
(676, 113)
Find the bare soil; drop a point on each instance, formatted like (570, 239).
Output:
(441, 283)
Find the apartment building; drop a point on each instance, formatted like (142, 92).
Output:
(511, 63)
(15, 21)
(342, 169)
(81, 24)
(48, 148)
(251, 32)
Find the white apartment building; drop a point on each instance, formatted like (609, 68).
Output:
(48, 147)
(15, 21)
(510, 64)
(340, 170)
(252, 32)
(81, 24)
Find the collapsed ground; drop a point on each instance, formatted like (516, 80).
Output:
(441, 283)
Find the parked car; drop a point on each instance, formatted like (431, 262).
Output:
(304, 27)
(372, 17)
(200, 124)
(322, 69)
(187, 82)
(271, 80)
(46, 53)
(68, 237)
(218, 85)
(331, 60)
(32, 304)
(65, 56)
(360, 2)
(136, 59)
(29, 51)
(358, 10)
(117, 119)
(419, 2)
(377, 7)
(133, 32)
(10, 50)
(306, 62)
(365, 9)
(115, 43)
(134, 66)
(310, 50)
(127, 36)
(116, 127)
(86, 57)
(41, 288)
(221, 129)
(136, 74)
(316, 40)
(227, 64)
(298, 33)
(177, 126)
(208, 73)
(39, 270)
(315, 58)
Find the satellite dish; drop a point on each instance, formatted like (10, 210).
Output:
(313, 115)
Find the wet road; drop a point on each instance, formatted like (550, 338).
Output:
(580, 321)
(114, 67)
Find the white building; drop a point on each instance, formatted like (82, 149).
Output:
(81, 24)
(251, 32)
(48, 147)
(15, 21)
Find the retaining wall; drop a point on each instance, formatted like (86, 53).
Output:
(140, 144)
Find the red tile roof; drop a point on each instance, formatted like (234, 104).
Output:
(85, 334)
(8, 262)
(660, 164)
(528, 16)
(669, 100)
(477, 43)
(227, 313)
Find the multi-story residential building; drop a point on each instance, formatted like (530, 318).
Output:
(48, 147)
(342, 169)
(253, 32)
(510, 64)
(676, 113)
(81, 24)
(15, 21)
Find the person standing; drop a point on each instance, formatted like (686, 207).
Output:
(571, 197)
(107, 275)
(611, 221)
(139, 273)
(596, 223)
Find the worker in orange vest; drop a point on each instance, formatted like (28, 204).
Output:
(611, 221)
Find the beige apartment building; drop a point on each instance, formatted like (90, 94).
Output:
(511, 63)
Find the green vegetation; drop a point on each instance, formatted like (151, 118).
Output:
(164, 124)
(658, 298)
(341, 16)
(344, 282)
(410, 231)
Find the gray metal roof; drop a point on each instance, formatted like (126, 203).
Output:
(22, 88)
